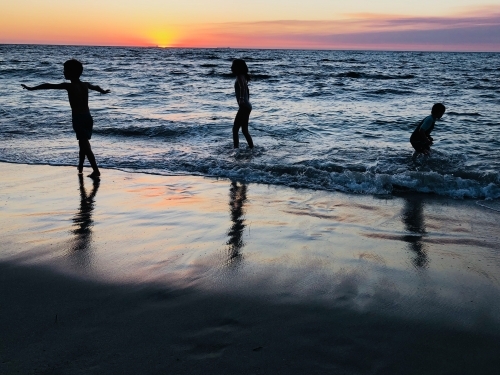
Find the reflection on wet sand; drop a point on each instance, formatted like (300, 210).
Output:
(237, 199)
(83, 224)
(413, 219)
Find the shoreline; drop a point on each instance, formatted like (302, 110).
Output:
(398, 192)
(147, 273)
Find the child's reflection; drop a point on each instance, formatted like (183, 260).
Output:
(237, 198)
(413, 219)
(83, 223)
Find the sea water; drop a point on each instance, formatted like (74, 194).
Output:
(325, 120)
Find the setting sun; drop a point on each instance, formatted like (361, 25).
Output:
(162, 38)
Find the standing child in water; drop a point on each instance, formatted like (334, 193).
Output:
(240, 69)
(421, 139)
(78, 95)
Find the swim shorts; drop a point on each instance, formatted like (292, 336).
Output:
(82, 125)
(420, 146)
(245, 105)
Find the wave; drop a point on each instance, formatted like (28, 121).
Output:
(490, 69)
(244, 165)
(262, 59)
(317, 175)
(389, 91)
(473, 114)
(358, 75)
(254, 77)
(257, 77)
(213, 73)
(314, 94)
(483, 87)
(29, 72)
(343, 60)
(371, 183)
(350, 181)
(166, 131)
(196, 55)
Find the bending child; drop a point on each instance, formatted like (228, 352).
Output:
(240, 69)
(421, 139)
(78, 95)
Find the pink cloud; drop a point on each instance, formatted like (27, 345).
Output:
(459, 33)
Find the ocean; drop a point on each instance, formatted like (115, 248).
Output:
(323, 120)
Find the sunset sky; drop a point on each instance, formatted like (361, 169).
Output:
(452, 25)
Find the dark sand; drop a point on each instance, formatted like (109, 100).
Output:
(149, 274)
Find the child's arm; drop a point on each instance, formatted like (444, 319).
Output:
(424, 127)
(425, 137)
(98, 89)
(47, 86)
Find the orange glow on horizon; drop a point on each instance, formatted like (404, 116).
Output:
(162, 38)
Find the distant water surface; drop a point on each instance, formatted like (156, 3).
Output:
(325, 120)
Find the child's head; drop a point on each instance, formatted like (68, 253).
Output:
(240, 67)
(438, 110)
(73, 69)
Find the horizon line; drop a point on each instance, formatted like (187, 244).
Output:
(251, 48)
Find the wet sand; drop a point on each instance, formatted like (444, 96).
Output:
(185, 275)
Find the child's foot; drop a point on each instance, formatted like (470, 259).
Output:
(80, 169)
(95, 174)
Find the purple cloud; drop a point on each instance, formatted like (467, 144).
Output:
(461, 33)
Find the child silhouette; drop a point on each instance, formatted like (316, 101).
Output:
(240, 70)
(421, 139)
(78, 95)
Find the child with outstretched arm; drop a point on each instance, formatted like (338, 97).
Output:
(78, 95)
(421, 139)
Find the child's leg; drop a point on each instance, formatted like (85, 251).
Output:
(87, 150)
(81, 159)
(236, 129)
(244, 129)
(241, 120)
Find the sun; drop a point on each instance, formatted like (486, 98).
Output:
(162, 38)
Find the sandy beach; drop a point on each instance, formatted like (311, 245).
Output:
(147, 274)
